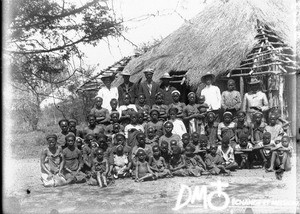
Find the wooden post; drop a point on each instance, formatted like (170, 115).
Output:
(242, 87)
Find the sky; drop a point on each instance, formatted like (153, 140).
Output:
(144, 22)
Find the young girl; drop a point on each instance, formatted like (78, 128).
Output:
(227, 128)
(52, 161)
(160, 106)
(121, 165)
(231, 99)
(133, 128)
(126, 110)
(211, 128)
(191, 113)
(142, 170)
(176, 104)
(102, 114)
(158, 164)
(179, 127)
(100, 169)
(155, 123)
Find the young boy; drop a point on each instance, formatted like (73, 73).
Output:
(243, 152)
(121, 166)
(155, 123)
(151, 138)
(185, 139)
(64, 126)
(160, 106)
(211, 128)
(258, 128)
(141, 106)
(231, 99)
(177, 162)
(227, 128)
(266, 151)
(126, 110)
(113, 105)
(177, 104)
(179, 127)
(114, 118)
(92, 127)
(194, 163)
(242, 126)
(142, 170)
(100, 169)
(274, 128)
(191, 113)
(226, 151)
(52, 162)
(73, 161)
(158, 164)
(101, 114)
(168, 136)
(133, 128)
(165, 152)
(141, 143)
(214, 161)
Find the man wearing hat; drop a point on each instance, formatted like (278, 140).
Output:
(149, 88)
(255, 100)
(125, 87)
(167, 89)
(107, 92)
(211, 93)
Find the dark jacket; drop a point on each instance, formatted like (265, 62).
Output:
(150, 98)
(122, 91)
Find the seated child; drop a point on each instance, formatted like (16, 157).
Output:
(73, 161)
(160, 106)
(142, 170)
(214, 161)
(177, 162)
(177, 104)
(151, 138)
(155, 123)
(165, 152)
(281, 158)
(141, 120)
(158, 164)
(274, 128)
(257, 127)
(101, 114)
(227, 128)
(168, 136)
(195, 166)
(242, 126)
(133, 128)
(100, 169)
(119, 139)
(141, 106)
(266, 151)
(191, 113)
(185, 139)
(88, 152)
(141, 143)
(121, 166)
(226, 152)
(114, 118)
(126, 110)
(179, 127)
(243, 152)
(52, 163)
(211, 128)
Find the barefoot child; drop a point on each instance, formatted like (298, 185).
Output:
(158, 164)
(191, 113)
(177, 162)
(177, 104)
(121, 166)
(226, 152)
(227, 128)
(102, 114)
(214, 161)
(211, 128)
(142, 170)
(274, 128)
(155, 123)
(100, 169)
(160, 106)
(243, 152)
(266, 151)
(231, 99)
(52, 161)
(194, 163)
(151, 138)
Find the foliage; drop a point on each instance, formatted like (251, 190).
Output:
(144, 47)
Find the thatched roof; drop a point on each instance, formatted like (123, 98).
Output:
(217, 39)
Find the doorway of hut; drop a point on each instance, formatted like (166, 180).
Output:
(178, 82)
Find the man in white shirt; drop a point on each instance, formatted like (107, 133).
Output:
(211, 93)
(107, 92)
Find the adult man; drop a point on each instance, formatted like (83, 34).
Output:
(125, 87)
(149, 88)
(167, 89)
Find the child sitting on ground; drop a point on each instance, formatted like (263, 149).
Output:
(281, 158)
(177, 162)
(155, 123)
(121, 166)
(266, 151)
(160, 106)
(165, 152)
(274, 128)
(211, 128)
(158, 164)
(52, 161)
(142, 170)
(141, 144)
(243, 152)
(179, 127)
(242, 126)
(142, 107)
(177, 104)
(226, 152)
(126, 110)
(227, 128)
(102, 114)
(214, 161)
(194, 163)
(100, 170)
(151, 138)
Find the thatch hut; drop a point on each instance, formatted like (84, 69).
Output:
(237, 39)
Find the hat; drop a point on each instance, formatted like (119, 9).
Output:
(175, 91)
(107, 75)
(208, 74)
(154, 109)
(63, 120)
(149, 70)
(189, 94)
(51, 136)
(70, 134)
(254, 81)
(241, 112)
(227, 113)
(125, 73)
(166, 76)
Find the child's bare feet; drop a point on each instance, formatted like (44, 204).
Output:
(270, 169)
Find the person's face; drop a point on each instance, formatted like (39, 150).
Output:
(173, 115)
(120, 149)
(70, 141)
(203, 142)
(189, 151)
(92, 121)
(72, 126)
(185, 139)
(114, 104)
(175, 97)
(230, 86)
(148, 76)
(213, 150)
(272, 120)
(126, 100)
(134, 119)
(51, 142)
(141, 118)
(168, 127)
(210, 118)
(107, 81)
(192, 98)
(142, 156)
(159, 100)
(227, 119)
(173, 143)
(120, 140)
(164, 147)
(64, 126)
(100, 154)
(151, 132)
(208, 80)
(116, 128)
(156, 151)
(266, 139)
(98, 102)
(285, 142)
(90, 139)
(201, 99)
(241, 117)
(243, 142)
(126, 78)
(154, 115)
(258, 118)
(195, 137)
(141, 140)
(141, 99)
(114, 118)
(254, 87)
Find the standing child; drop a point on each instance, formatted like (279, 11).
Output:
(211, 128)
(165, 152)
(202, 107)
(226, 152)
(142, 170)
(177, 163)
(141, 106)
(88, 152)
(274, 128)
(100, 169)
(179, 127)
(121, 166)
(160, 106)
(102, 114)
(158, 164)
(191, 113)
(214, 161)
(141, 144)
(227, 128)
(155, 123)
(258, 127)
(231, 99)
(177, 104)
(52, 162)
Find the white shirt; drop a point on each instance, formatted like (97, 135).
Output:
(131, 126)
(212, 96)
(124, 107)
(179, 127)
(107, 95)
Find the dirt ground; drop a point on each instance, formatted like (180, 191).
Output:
(24, 193)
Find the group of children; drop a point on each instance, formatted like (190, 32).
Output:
(162, 141)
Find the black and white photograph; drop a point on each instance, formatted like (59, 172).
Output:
(150, 106)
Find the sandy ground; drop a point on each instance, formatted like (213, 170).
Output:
(24, 193)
